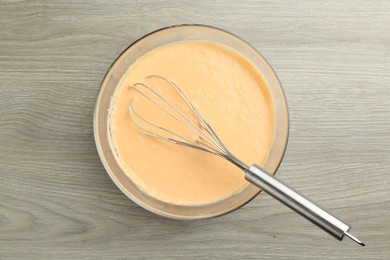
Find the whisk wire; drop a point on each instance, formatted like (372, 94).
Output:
(185, 141)
(206, 139)
(199, 116)
(210, 137)
(203, 122)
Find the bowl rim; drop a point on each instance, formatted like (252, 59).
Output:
(103, 157)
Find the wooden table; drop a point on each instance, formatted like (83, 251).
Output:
(56, 200)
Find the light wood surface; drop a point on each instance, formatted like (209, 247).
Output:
(56, 200)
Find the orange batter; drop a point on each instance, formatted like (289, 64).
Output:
(230, 94)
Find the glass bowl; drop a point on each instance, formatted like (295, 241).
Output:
(111, 81)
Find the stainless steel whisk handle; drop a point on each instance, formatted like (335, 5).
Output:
(298, 203)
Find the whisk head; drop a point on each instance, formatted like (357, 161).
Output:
(201, 135)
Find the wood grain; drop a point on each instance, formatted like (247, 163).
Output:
(57, 202)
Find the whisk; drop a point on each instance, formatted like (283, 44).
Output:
(207, 140)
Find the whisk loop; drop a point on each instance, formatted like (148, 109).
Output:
(207, 140)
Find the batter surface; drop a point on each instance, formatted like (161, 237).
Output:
(232, 96)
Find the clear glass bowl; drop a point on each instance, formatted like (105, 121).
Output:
(120, 67)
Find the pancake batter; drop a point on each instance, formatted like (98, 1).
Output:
(230, 94)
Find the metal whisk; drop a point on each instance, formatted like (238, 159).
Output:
(207, 140)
